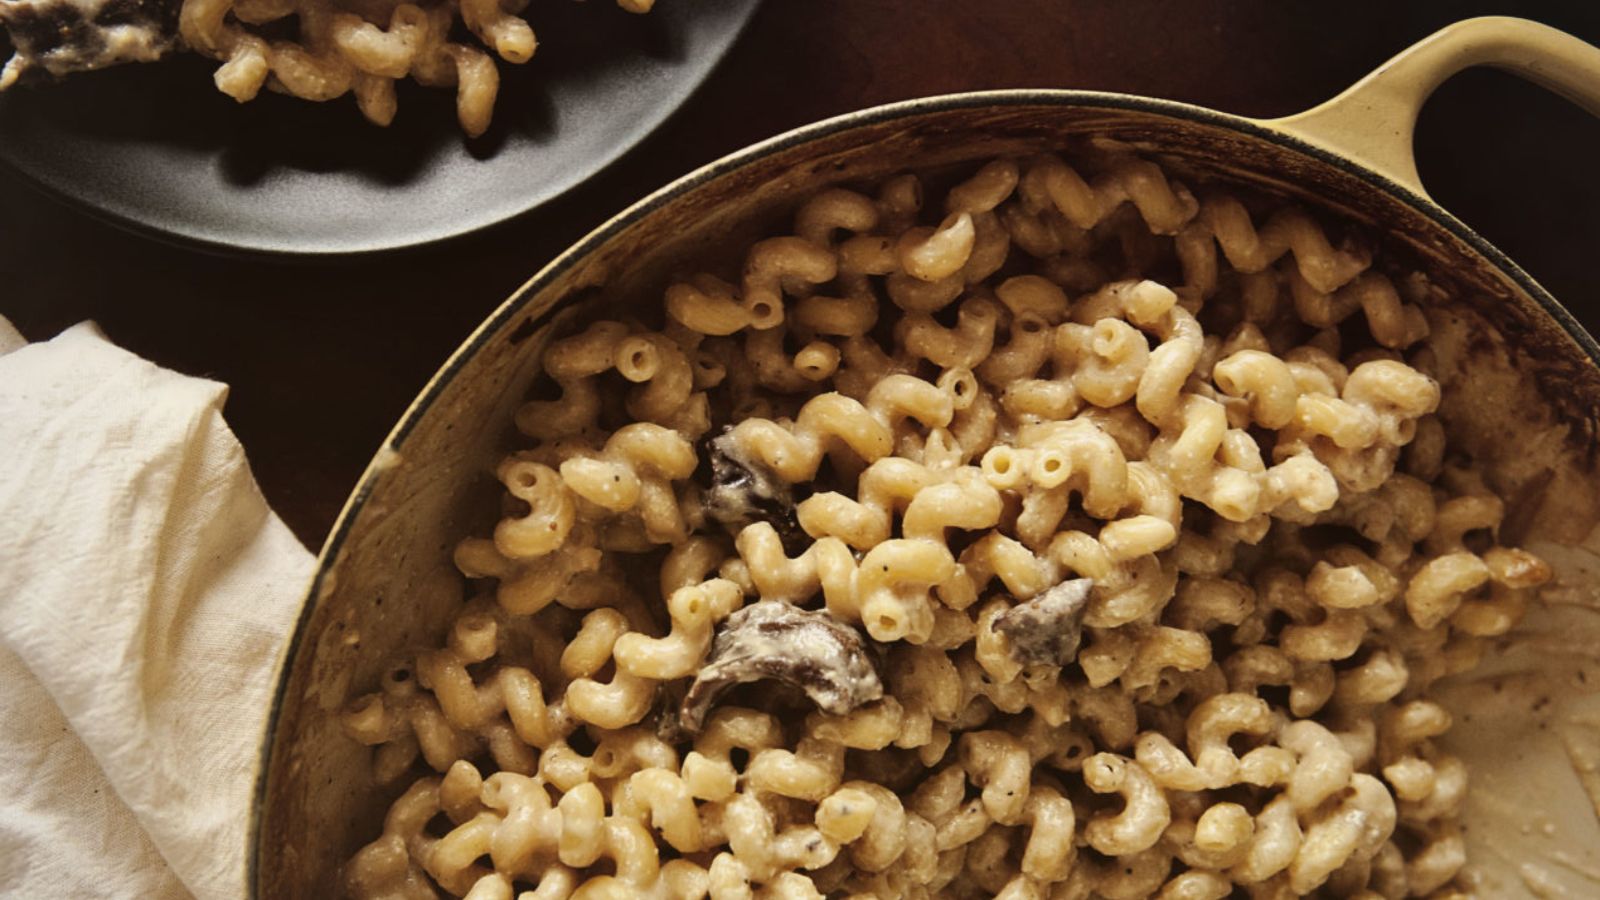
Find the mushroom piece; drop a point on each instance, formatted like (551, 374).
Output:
(740, 491)
(1047, 629)
(770, 639)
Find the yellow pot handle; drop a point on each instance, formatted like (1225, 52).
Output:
(1373, 120)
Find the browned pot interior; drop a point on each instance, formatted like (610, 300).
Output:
(386, 585)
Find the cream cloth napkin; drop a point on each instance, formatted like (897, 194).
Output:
(146, 591)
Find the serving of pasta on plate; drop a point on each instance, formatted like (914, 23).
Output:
(1052, 530)
(312, 49)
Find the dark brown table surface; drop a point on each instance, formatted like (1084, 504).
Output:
(323, 358)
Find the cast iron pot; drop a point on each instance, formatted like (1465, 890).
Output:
(1526, 404)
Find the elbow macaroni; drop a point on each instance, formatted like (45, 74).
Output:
(1250, 555)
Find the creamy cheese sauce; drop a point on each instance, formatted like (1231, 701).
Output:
(1528, 727)
(1527, 722)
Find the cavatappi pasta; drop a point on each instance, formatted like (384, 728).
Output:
(362, 47)
(357, 47)
(1073, 535)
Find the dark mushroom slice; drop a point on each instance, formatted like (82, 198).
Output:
(772, 640)
(739, 491)
(1047, 629)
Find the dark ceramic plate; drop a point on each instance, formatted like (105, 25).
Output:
(158, 148)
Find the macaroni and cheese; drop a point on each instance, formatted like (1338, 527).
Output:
(357, 47)
(1066, 533)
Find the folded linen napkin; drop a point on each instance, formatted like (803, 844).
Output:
(146, 592)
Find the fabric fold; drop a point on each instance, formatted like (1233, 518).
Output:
(146, 592)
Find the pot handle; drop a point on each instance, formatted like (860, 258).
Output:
(1372, 121)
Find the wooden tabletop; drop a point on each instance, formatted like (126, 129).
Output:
(322, 358)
